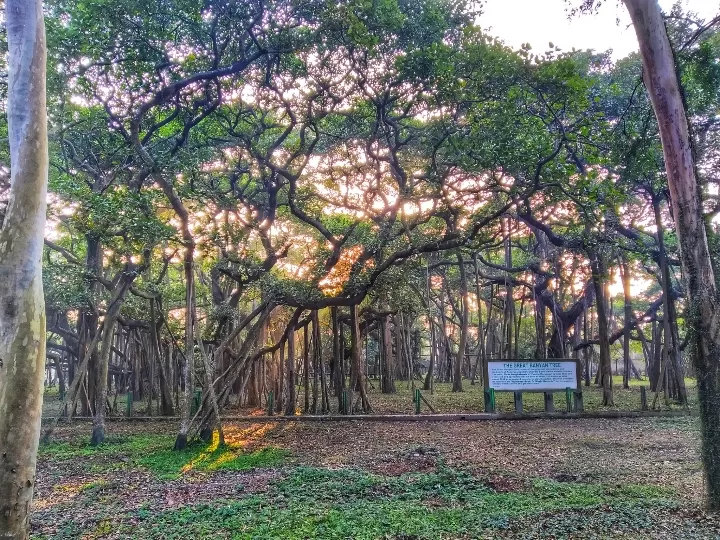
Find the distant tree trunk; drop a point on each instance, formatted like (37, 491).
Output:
(674, 369)
(387, 382)
(290, 369)
(110, 321)
(280, 394)
(165, 392)
(306, 371)
(358, 374)
(61, 375)
(22, 306)
(433, 346)
(656, 351)
(445, 344)
(540, 347)
(627, 319)
(89, 318)
(457, 371)
(319, 366)
(336, 365)
(480, 356)
(509, 312)
(188, 368)
(212, 396)
(605, 368)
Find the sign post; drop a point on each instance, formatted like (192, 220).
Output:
(545, 376)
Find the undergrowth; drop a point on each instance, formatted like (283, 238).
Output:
(154, 453)
(350, 503)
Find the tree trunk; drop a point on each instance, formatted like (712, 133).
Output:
(358, 374)
(672, 341)
(457, 367)
(306, 372)
(604, 368)
(93, 265)
(188, 364)
(210, 382)
(480, 355)
(664, 91)
(101, 389)
(628, 317)
(336, 374)
(166, 403)
(290, 371)
(509, 312)
(22, 306)
(387, 382)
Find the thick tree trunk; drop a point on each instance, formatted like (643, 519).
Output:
(703, 314)
(22, 306)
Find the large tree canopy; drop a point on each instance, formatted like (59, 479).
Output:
(250, 197)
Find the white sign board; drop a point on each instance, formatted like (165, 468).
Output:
(528, 376)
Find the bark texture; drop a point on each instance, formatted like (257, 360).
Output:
(22, 309)
(664, 90)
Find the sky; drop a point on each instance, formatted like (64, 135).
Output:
(542, 21)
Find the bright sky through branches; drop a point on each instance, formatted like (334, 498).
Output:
(539, 22)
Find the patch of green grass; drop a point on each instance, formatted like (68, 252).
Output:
(350, 503)
(154, 453)
(444, 400)
(94, 486)
(113, 446)
(169, 464)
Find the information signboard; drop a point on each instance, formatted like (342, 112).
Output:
(533, 375)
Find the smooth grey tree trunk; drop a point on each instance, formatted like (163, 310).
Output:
(22, 306)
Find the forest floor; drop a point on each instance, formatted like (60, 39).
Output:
(571, 478)
(442, 399)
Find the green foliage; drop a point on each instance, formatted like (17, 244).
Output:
(321, 503)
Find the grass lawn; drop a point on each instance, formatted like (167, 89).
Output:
(444, 400)
(596, 478)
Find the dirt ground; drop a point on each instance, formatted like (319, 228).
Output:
(648, 451)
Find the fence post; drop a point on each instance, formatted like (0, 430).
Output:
(643, 399)
(129, 404)
(271, 403)
(549, 403)
(569, 399)
(489, 400)
(417, 401)
(579, 405)
(518, 402)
